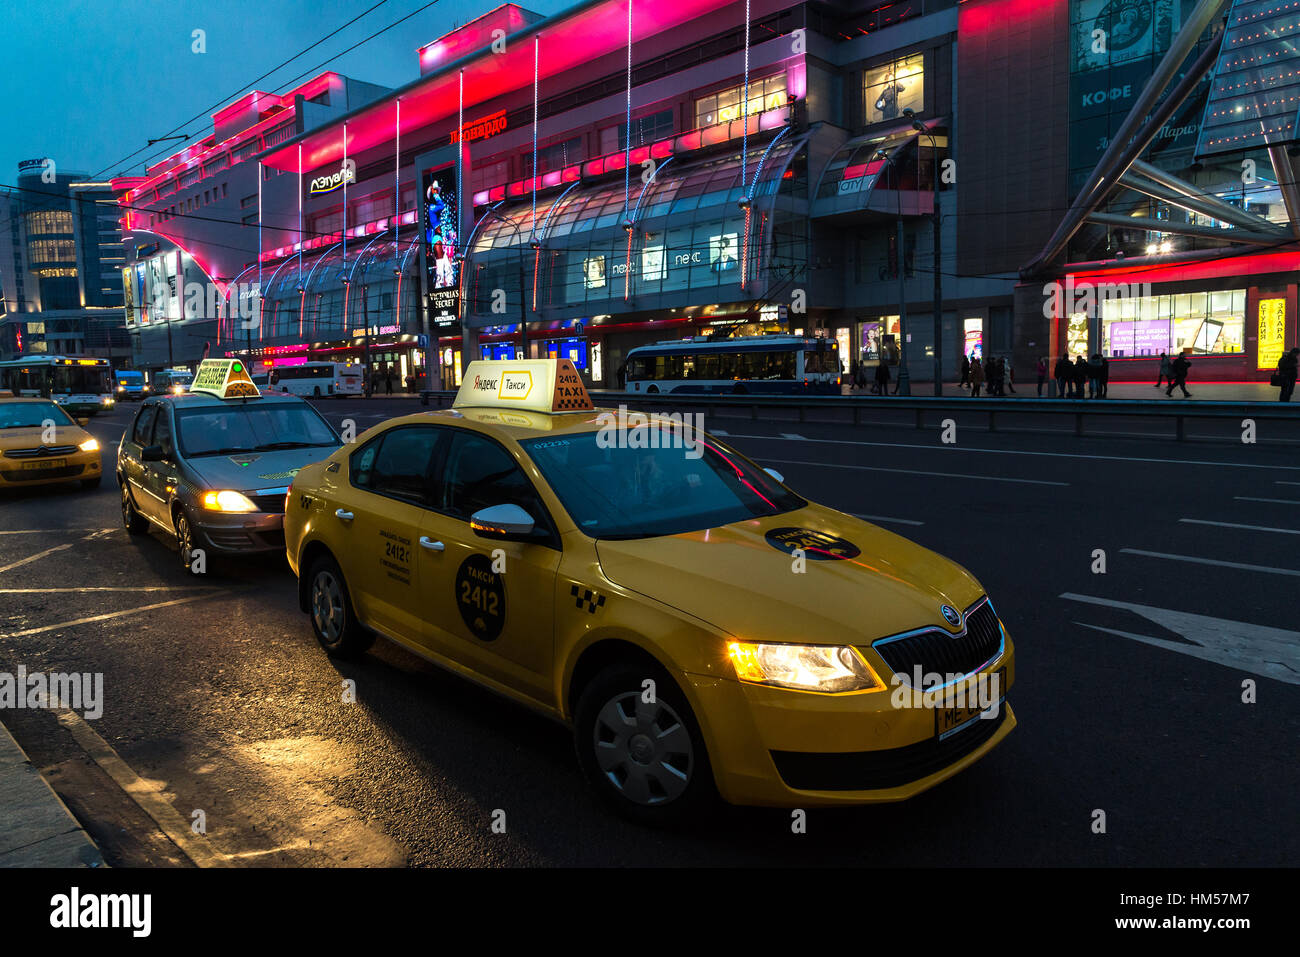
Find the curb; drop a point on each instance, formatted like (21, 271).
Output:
(36, 827)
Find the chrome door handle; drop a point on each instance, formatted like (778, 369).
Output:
(430, 544)
(343, 516)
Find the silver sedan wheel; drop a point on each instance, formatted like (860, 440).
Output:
(643, 749)
(327, 605)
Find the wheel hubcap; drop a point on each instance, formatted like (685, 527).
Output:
(643, 749)
(327, 605)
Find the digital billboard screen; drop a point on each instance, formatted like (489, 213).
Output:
(441, 244)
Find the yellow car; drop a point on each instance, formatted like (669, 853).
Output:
(702, 628)
(41, 444)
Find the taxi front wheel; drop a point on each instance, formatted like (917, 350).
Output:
(640, 746)
(332, 619)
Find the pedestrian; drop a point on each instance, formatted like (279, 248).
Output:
(860, 379)
(1179, 369)
(1080, 375)
(881, 386)
(1008, 376)
(1287, 369)
(1164, 370)
(1062, 375)
(1041, 370)
(976, 377)
(1094, 374)
(1103, 378)
(965, 372)
(388, 379)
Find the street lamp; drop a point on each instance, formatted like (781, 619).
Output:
(938, 274)
(904, 383)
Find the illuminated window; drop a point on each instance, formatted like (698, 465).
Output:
(768, 93)
(46, 222)
(1201, 323)
(51, 251)
(893, 87)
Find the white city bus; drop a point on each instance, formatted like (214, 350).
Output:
(317, 378)
(80, 384)
(771, 364)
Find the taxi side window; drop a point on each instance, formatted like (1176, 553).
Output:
(144, 425)
(397, 464)
(481, 474)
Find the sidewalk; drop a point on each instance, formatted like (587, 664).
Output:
(1207, 392)
(36, 828)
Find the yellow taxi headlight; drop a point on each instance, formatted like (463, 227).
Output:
(90, 445)
(227, 501)
(829, 669)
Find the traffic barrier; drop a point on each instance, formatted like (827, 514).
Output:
(1273, 421)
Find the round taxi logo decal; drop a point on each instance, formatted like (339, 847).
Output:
(817, 546)
(481, 597)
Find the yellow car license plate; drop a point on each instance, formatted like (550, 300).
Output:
(994, 689)
(44, 464)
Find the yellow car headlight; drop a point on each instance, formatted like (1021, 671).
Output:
(90, 445)
(227, 501)
(829, 669)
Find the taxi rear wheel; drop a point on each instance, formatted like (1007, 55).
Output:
(132, 521)
(646, 758)
(330, 606)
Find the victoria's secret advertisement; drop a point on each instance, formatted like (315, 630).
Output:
(440, 246)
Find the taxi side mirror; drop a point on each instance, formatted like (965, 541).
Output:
(151, 453)
(502, 522)
(83, 420)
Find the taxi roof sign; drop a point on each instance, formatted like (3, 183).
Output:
(535, 385)
(224, 378)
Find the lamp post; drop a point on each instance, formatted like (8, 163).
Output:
(904, 383)
(938, 273)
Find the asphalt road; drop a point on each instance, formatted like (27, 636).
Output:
(1129, 684)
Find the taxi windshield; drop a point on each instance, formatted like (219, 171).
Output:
(32, 415)
(225, 430)
(615, 486)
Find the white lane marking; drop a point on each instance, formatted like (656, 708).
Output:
(794, 436)
(1249, 528)
(50, 551)
(148, 797)
(1275, 501)
(1055, 455)
(956, 475)
(1280, 482)
(1212, 561)
(61, 591)
(718, 432)
(885, 518)
(112, 614)
(32, 558)
(1258, 649)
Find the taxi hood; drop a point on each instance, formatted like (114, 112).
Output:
(859, 582)
(34, 437)
(249, 471)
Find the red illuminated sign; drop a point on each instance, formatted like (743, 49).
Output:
(480, 129)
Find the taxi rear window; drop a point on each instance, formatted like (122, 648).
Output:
(621, 489)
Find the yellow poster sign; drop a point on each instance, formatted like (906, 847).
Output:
(1272, 333)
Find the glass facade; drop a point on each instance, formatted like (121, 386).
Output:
(689, 235)
(891, 88)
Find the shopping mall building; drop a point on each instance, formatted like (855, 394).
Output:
(613, 175)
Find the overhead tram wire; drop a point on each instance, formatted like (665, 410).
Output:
(206, 112)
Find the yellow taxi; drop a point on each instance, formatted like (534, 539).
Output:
(41, 444)
(702, 628)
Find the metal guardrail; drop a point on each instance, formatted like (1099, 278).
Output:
(927, 412)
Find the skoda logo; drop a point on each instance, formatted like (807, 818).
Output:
(950, 615)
